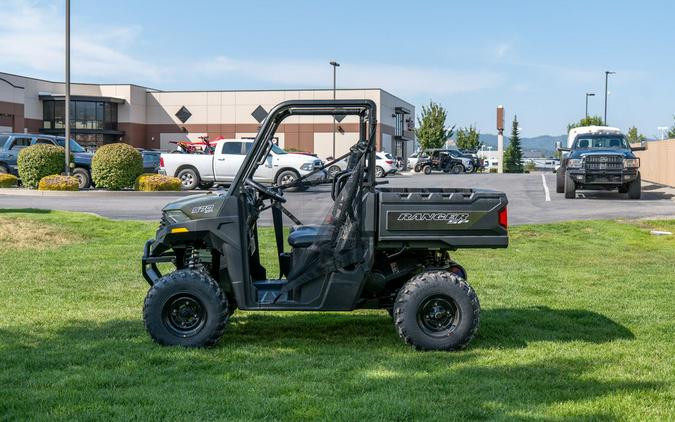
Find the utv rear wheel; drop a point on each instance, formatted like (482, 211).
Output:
(417, 168)
(635, 188)
(427, 169)
(186, 308)
(437, 310)
(570, 188)
(457, 169)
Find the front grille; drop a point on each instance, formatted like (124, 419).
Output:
(603, 162)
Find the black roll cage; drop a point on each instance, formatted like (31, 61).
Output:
(365, 109)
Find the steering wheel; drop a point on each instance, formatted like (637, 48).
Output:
(265, 191)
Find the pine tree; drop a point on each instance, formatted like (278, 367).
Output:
(431, 132)
(513, 156)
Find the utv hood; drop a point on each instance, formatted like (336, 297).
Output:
(198, 206)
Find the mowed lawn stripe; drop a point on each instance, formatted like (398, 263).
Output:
(578, 321)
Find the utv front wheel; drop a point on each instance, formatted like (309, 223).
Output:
(436, 310)
(426, 169)
(186, 308)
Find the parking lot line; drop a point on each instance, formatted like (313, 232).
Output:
(546, 192)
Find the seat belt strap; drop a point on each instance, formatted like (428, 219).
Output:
(278, 235)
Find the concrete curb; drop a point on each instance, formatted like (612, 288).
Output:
(94, 193)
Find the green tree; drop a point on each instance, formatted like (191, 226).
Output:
(468, 138)
(513, 155)
(671, 132)
(431, 132)
(586, 121)
(634, 136)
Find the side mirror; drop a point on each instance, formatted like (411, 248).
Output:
(558, 144)
(564, 149)
(640, 148)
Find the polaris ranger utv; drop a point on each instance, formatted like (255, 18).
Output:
(378, 248)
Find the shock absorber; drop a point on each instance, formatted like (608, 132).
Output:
(192, 258)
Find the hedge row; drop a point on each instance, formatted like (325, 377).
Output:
(150, 182)
(7, 181)
(38, 161)
(58, 182)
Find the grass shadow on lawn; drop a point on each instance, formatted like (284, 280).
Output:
(24, 211)
(87, 369)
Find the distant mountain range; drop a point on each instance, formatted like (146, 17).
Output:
(543, 145)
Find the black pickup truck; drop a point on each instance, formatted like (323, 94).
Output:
(599, 161)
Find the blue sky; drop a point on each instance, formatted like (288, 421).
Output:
(538, 58)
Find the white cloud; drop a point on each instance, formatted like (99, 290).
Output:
(404, 80)
(32, 38)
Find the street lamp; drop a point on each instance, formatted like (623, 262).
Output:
(607, 73)
(67, 105)
(335, 66)
(588, 94)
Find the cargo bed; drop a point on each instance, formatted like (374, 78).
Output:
(441, 218)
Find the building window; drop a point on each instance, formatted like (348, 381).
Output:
(399, 124)
(88, 115)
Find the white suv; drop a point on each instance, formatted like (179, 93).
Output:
(385, 164)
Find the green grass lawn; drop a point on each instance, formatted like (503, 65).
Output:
(578, 322)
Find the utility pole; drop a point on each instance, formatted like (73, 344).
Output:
(607, 73)
(335, 66)
(500, 139)
(67, 105)
(588, 94)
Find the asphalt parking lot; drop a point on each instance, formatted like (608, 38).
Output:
(532, 199)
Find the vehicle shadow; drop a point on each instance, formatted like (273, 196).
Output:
(647, 195)
(326, 352)
(24, 211)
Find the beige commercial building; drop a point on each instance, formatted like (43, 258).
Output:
(153, 119)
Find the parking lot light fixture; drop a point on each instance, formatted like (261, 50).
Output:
(607, 73)
(588, 94)
(67, 99)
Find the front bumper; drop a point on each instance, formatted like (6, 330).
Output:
(149, 262)
(602, 177)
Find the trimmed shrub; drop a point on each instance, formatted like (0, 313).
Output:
(116, 166)
(38, 161)
(7, 181)
(58, 182)
(150, 182)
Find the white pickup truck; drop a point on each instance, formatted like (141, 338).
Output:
(205, 170)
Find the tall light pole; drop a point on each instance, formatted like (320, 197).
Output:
(67, 105)
(588, 94)
(607, 73)
(335, 66)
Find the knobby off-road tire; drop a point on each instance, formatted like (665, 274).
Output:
(436, 310)
(570, 188)
(186, 308)
(635, 188)
(457, 169)
(560, 181)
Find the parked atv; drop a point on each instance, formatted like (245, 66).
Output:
(377, 248)
(439, 160)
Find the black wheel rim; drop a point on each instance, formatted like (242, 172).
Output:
(184, 315)
(438, 316)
